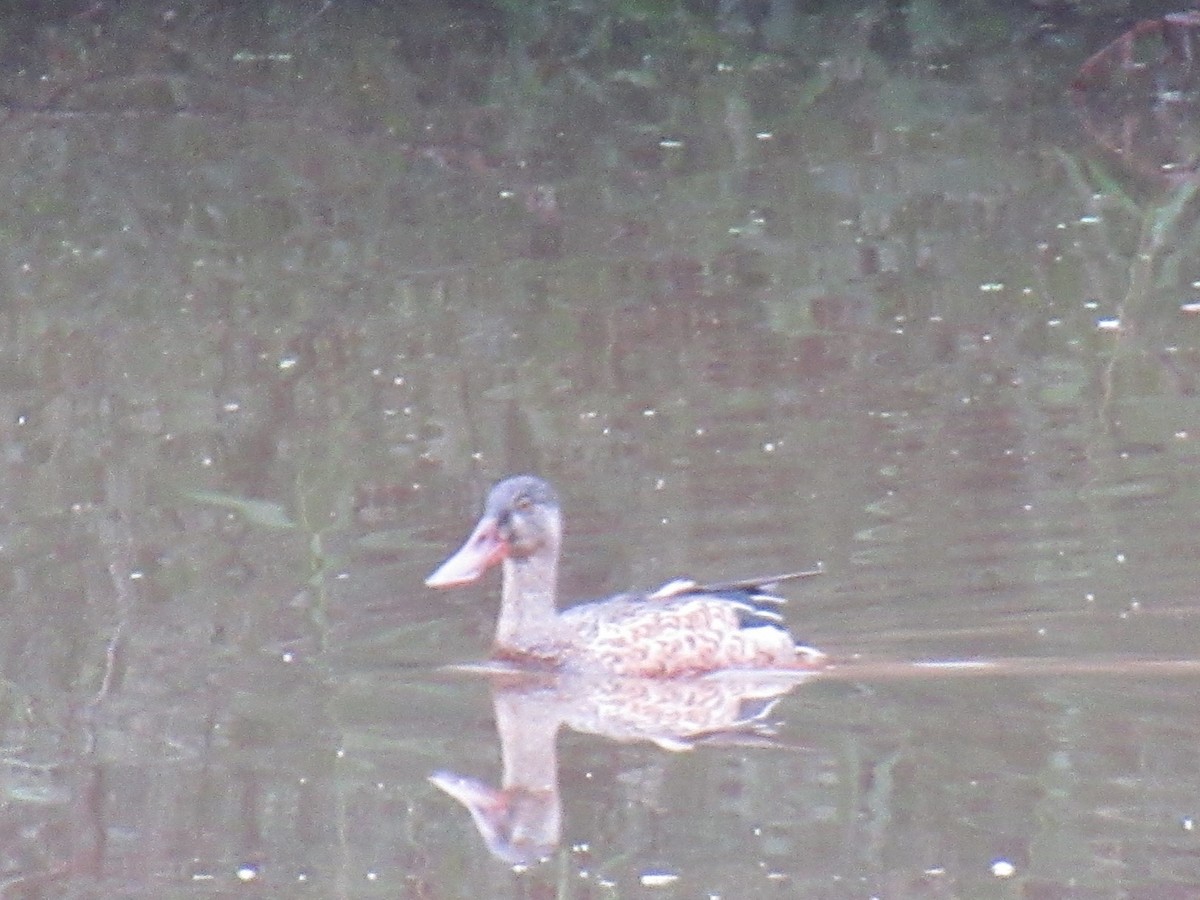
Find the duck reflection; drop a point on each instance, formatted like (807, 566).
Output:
(521, 821)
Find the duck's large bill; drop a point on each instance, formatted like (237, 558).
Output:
(482, 550)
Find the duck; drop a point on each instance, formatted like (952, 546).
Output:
(682, 629)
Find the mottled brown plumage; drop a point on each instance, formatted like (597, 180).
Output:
(679, 630)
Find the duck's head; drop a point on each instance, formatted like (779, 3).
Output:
(520, 521)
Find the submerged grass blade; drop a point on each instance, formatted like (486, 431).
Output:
(256, 512)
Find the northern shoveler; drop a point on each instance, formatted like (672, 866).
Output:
(679, 630)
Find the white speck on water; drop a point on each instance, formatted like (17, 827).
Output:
(1188, 823)
(649, 413)
(1110, 324)
(372, 876)
(247, 873)
(288, 362)
(991, 287)
(658, 879)
(1002, 868)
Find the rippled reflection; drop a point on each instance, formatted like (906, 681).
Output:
(520, 822)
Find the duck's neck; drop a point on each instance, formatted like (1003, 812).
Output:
(528, 614)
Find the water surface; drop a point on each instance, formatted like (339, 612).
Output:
(284, 295)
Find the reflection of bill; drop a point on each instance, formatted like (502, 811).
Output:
(521, 821)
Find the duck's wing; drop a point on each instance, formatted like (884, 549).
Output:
(744, 590)
(760, 588)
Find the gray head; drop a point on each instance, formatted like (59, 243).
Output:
(521, 519)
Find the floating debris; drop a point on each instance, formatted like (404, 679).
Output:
(1002, 868)
(658, 879)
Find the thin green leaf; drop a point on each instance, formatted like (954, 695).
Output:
(256, 512)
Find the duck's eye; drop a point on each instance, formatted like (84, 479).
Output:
(523, 502)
